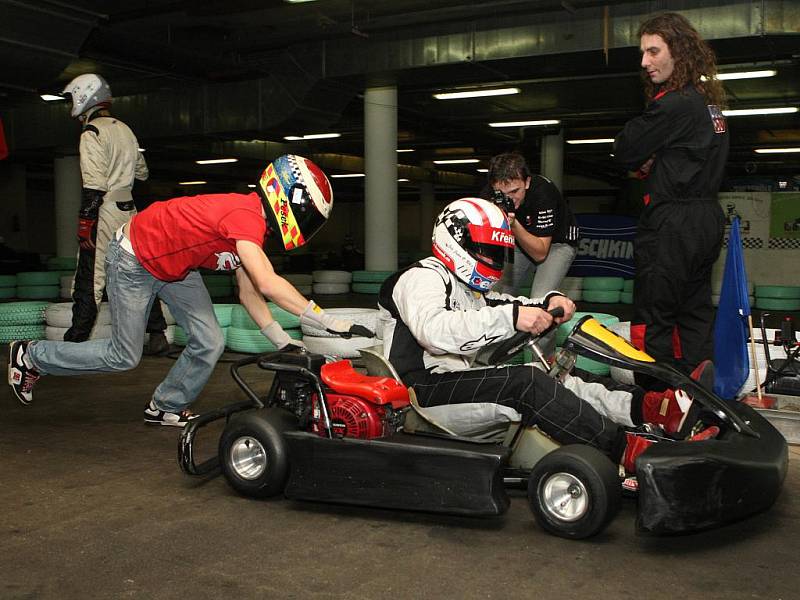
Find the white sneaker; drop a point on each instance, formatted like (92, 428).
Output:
(156, 416)
(21, 377)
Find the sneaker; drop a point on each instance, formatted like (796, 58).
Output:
(636, 444)
(156, 345)
(156, 416)
(21, 377)
(675, 410)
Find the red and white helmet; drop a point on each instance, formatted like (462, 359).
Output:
(297, 198)
(87, 91)
(470, 237)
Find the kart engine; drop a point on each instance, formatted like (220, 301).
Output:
(353, 417)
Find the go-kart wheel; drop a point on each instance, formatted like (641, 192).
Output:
(574, 492)
(253, 454)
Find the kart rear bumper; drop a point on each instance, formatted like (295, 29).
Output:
(690, 486)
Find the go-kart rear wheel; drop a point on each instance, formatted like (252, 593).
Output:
(253, 454)
(574, 492)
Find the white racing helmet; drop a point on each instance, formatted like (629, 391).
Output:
(470, 237)
(87, 91)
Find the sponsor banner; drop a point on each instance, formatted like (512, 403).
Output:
(605, 248)
(752, 208)
(785, 220)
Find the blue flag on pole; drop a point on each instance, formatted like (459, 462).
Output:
(730, 328)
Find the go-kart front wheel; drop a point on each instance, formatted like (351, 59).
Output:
(253, 454)
(574, 492)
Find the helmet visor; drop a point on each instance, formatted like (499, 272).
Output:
(489, 244)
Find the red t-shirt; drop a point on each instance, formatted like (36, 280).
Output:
(172, 237)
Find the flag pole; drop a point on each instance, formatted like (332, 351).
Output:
(753, 355)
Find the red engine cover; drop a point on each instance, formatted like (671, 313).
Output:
(352, 417)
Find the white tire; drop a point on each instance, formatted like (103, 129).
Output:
(331, 288)
(66, 292)
(368, 317)
(59, 314)
(99, 332)
(297, 279)
(337, 346)
(332, 277)
(306, 290)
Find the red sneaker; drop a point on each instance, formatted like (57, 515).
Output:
(674, 410)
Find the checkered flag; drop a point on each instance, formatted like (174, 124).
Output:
(454, 221)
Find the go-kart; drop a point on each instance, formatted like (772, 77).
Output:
(326, 432)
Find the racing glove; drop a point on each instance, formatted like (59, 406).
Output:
(314, 316)
(275, 334)
(85, 227)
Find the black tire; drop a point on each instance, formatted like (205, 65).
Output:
(253, 453)
(588, 483)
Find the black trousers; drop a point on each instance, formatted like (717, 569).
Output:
(675, 249)
(540, 399)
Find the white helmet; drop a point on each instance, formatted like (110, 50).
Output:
(87, 91)
(470, 237)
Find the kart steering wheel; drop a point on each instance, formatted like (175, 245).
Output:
(505, 350)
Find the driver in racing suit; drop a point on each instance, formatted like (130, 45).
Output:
(439, 312)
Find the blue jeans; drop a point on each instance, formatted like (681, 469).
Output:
(131, 292)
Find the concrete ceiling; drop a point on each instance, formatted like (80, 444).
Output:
(198, 79)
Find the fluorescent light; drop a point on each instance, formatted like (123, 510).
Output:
(405, 150)
(477, 93)
(402, 180)
(191, 182)
(777, 150)
(592, 141)
(743, 75)
(456, 161)
(783, 110)
(311, 136)
(216, 161)
(141, 150)
(482, 170)
(525, 123)
(51, 97)
(251, 185)
(347, 175)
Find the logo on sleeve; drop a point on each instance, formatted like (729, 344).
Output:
(227, 261)
(717, 118)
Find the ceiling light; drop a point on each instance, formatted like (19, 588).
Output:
(743, 75)
(347, 175)
(251, 185)
(482, 170)
(191, 182)
(777, 150)
(216, 161)
(141, 150)
(592, 141)
(456, 161)
(403, 180)
(311, 136)
(405, 150)
(525, 123)
(51, 97)
(783, 110)
(477, 93)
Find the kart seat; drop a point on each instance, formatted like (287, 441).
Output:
(472, 419)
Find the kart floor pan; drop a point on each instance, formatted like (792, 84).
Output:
(409, 472)
(785, 417)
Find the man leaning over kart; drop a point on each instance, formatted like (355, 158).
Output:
(157, 254)
(439, 312)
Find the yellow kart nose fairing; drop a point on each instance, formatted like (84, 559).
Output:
(593, 328)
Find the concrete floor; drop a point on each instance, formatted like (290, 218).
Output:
(95, 506)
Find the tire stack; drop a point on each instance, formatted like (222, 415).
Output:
(572, 287)
(66, 282)
(369, 282)
(22, 321)
(62, 263)
(58, 318)
(322, 342)
(584, 363)
(219, 285)
(331, 282)
(626, 296)
(222, 312)
(245, 336)
(603, 290)
(777, 297)
(8, 286)
(302, 281)
(38, 285)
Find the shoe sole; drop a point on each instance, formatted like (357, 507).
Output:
(146, 422)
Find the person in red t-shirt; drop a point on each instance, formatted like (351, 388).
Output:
(157, 254)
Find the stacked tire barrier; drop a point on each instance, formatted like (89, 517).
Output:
(222, 312)
(369, 282)
(302, 281)
(331, 282)
(58, 318)
(219, 285)
(565, 329)
(777, 297)
(22, 321)
(626, 296)
(572, 287)
(603, 290)
(322, 342)
(245, 336)
(39, 285)
(8, 286)
(62, 263)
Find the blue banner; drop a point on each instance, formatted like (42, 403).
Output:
(605, 248)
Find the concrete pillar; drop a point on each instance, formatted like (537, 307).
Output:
(380, 187)
(426, 214)
(67, 183)
(552, 163)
